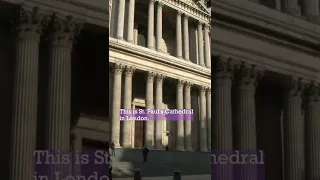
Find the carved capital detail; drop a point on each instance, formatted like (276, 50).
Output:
(150, 76)
(160, 78)
(129, 70)
(222, 68)
(180, 84)
(118, 68)
(152, 1)
(30, 23)
(292, 88)
(64, 30)
(247, 75)
(208, 91)
(160, 4)
(188, 85)
(312, 92)
(203, 88)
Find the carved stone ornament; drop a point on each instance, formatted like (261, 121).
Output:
(180, 83)
(30, 23)
(64, 30)
(160, 78)
(118, 68)
(188, 85)
(312, 92)
(129, 70)
(222, 68)
(292, 88)
(247, 75)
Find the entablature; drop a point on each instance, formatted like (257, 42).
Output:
(268, 19)
(148, 60)
(193, 8)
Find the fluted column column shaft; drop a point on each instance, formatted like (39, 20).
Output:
(116, 104)
(311, 7)
(159, 25)
(158, 105)
(221, 124)
(151, 25)
(293, 127)
(186, 38)
(312, 118)
(203, 120)
(127, 101)
(25, 96)
(208, 98)
(179, 35)
(207, 46)
(59, 102)
(149, 130)
(200, 44)
(121, 14)
(131, 20)
(187, 123)
(180, 127)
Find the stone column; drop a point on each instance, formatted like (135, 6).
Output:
(131, 21)
(312, 123)
(159, 25)
(245, 116)
(158, 105)
(207, 45)
(151, 25)
(311, 10)
(180, 122)
(149, 130)
(77, 147)
(200, 44)
(121, 14)
(116, 104)
(291, 7)
(293, 127)
(59, 103)
(186, 38)
(127, 101)
(203, 120)
(208, 93)
(221, 124)
(25, 96)
(187, 123)
(179, 36)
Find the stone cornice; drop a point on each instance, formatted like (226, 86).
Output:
(267, 18)
(151, 60)
(187, 7)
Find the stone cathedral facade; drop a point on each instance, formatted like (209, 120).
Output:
(160, 58)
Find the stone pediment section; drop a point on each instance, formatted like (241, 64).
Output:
(193, 8)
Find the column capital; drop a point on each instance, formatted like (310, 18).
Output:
(247, 75)
(208, 91)
(179, 13)
(160, 78)
(185, 16)
(150, 76)
(188, 85)
(222, 67)
(200, 23)
(30, 23)
(203, 88)
(64, 30)
(312, 92)
(129, 70)
(207, 26)
(292, 88)
(152, 1)
(118, 68)
(180, 83)
(160, 4)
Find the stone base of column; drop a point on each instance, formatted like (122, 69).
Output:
(120, 38)
(189, 149)
(180, 149)
(117, 145)
(204, 150)
(127, 146)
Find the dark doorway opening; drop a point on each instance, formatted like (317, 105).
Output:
(139, 132)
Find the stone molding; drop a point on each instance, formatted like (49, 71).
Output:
(173, 67)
